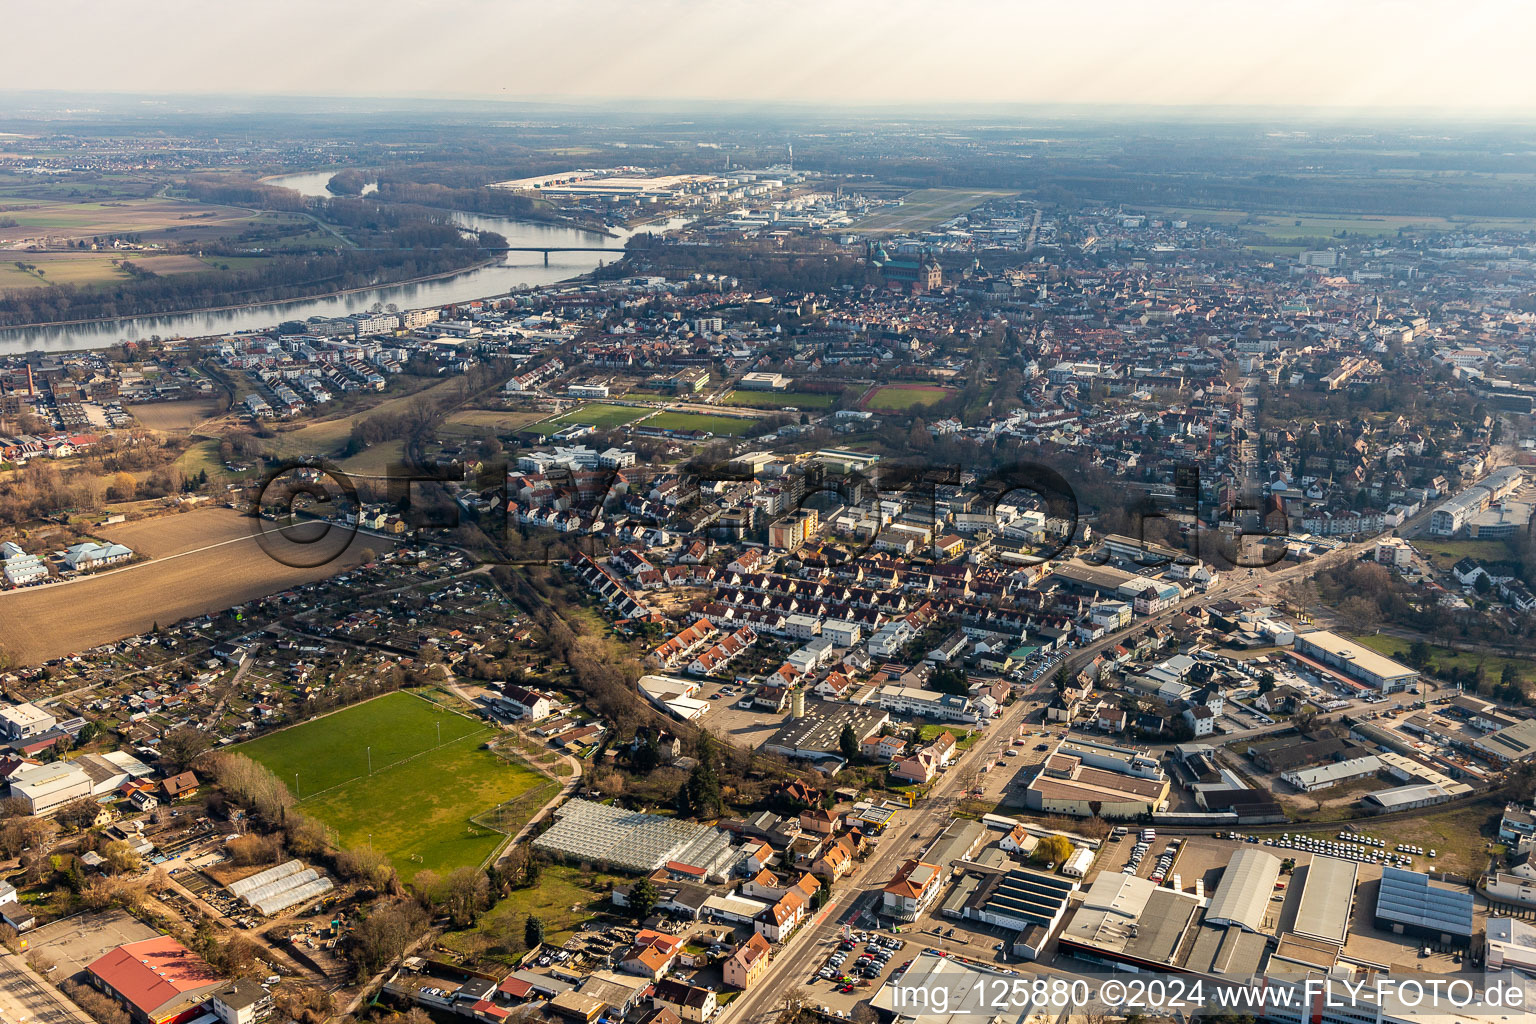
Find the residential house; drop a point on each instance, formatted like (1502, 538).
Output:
(913, 889)
(747, 964)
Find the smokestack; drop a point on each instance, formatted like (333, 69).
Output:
(31, 385)
(797, 704)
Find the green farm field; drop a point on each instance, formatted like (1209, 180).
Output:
(927, 208)
(418, 805)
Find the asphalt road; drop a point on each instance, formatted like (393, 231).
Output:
(908, 832)
(26, 999)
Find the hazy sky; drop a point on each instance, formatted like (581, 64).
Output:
(1468, 54)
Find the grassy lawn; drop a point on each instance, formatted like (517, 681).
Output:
(478, 422)
(1457, 835)
(417, 805)
(1443, 658)
(1446, 553)
(720, 426)
(375, 460)
(597, 414)
(905, 397)
(778, 400)
(204, 455)
(563, 898)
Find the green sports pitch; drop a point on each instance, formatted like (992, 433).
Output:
(778, 400)
(597, 414)
(434, 792)
(720, 426)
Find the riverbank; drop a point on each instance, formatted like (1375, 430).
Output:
(236, 307)
(310, 184)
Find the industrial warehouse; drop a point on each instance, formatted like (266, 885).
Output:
(1083, 778)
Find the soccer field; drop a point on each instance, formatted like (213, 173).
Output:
(597, 414)
(778, 400)
(417, 805)
(720, 426)
(905, 397)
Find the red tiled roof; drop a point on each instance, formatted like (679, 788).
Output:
(154, 972)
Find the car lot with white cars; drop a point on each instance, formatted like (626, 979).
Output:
(1347, 844)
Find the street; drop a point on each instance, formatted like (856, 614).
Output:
(24, 999)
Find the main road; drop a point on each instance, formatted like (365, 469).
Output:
(26, 997)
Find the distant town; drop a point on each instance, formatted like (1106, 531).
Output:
(838, 587)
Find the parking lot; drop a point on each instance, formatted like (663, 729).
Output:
(743, 726)
(73, 942)
(1013, 762)
(857, 964)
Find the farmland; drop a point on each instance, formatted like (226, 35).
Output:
(905, 397)
(46, 269)
(927, 208)
(200, 562)
(720, 426)
(63, 221)
(1301, 229)
(171, 417)
(479, 422)
(430, 776)
(778, 400)
(598, 414)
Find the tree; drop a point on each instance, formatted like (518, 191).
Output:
(367, 865)
(463, 894)
(385, 934)
(642, 897)
(17, 834)
(949, 680)
(1053, 850)
(533, 931)
(121, 858)
(180, 748)
(848, 743)
(1062, 678)
(79, 813)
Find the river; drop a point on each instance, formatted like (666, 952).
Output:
(515, 270)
